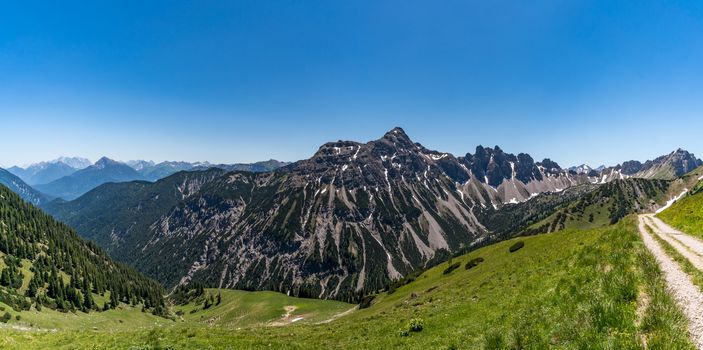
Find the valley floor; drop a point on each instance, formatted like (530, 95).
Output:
(597, 289)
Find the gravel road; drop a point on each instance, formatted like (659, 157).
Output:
(687, 295)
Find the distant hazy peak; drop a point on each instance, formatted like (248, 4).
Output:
(73, 162)
(105, 162)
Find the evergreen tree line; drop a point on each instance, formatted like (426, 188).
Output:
(66, 269)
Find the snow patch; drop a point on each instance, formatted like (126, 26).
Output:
(385, 173)
(465, 169)
(671, 201)
(436, 157)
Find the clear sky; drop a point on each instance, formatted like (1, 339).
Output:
(239, 81)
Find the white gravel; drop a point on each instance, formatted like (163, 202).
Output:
(677, 241)
(692, 243)
(679, 284)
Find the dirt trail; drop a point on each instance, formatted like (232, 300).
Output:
(692, 243)
(687, 295)
(677, 241)
(287, 317)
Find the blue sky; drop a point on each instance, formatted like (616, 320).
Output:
(234, 81)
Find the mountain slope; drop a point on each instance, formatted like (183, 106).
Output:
(349, 219)
(16, 185)
(45, 264)
(686, 214)
(607, 204)
(103, 171)
(670, 166)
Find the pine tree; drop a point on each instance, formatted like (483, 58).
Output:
(88, 303)
(113, 301)
(207, 302)
(5, 279)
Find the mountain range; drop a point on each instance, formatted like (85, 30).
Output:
(154, 171)
(45, 172)
(349, 219)
(666, 167)
(70, 177)
(103, 171)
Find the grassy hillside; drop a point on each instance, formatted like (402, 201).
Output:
(569, 289)
(123, 318)
(687, 213)
(247, 309)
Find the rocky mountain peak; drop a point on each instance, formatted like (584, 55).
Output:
(397, 137)
(549, 164)
(631, 167)
(681, 161)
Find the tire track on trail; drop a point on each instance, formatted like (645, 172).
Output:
(676, 240)
(692, 243)
(687, 295)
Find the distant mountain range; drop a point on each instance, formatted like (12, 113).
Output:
(258, 167)
(103, 171)
(45, 172)
(666, 167)
(71, 177)
(155, 171)
(352, 217)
